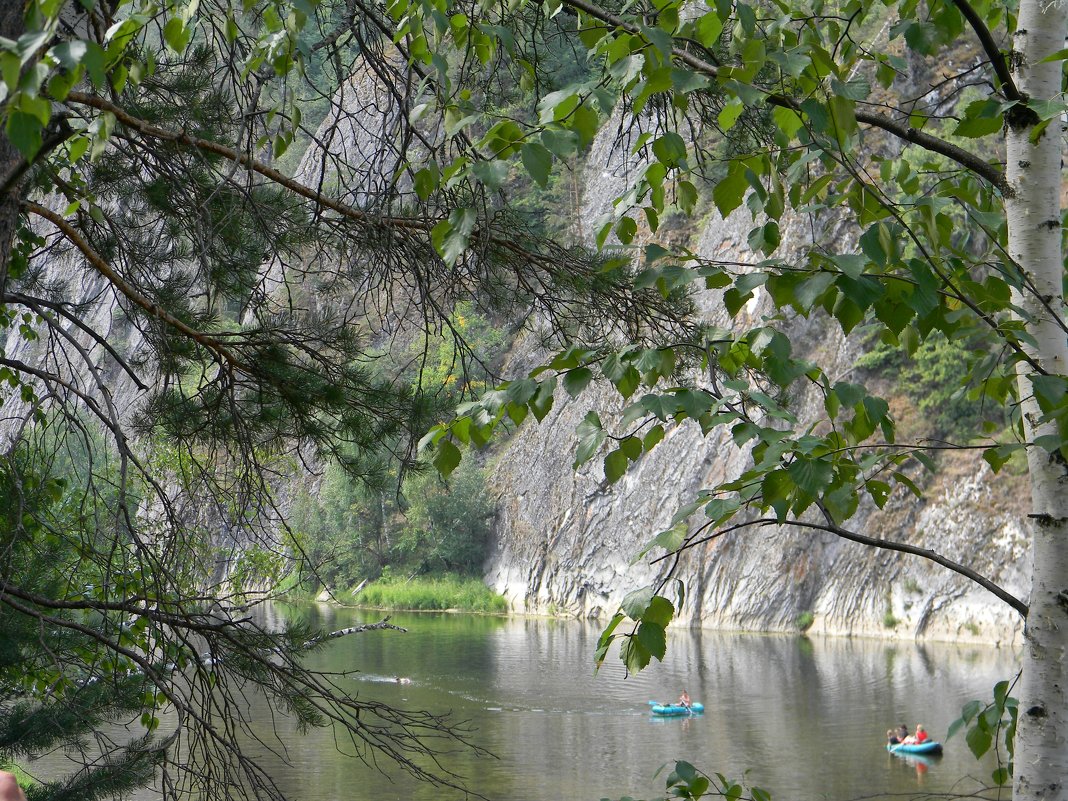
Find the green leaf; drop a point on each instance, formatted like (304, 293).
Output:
(585, 122)
(69, 54)
(709, 27)
(446, 458)
(24, 131)
(981, 118)
(95, 61)
(538, 161)
(852, 90)
(635, 655)
(542, 402)
(811, 475)
(670, 149)
(615, 465)
(561, 143)
(626, 228)
(491, 173)
(979, 740)
(632, 447)
(848, 314)
(1001, 693)
(653, 437)
(659, 612)
(426, 181)
(604, 642)
(730, 114)
(998, 456)
(653, 639)
(879, 491)
(789, 122)
(671, 539)
(591, 435)
(577, 380)
(685, 771)
(775, 488)
(517, 412)
(729, 192)
(177, 34)
(450, 237)
(635, 603)
(1051, 391)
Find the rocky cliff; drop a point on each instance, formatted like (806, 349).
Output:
(567, 541)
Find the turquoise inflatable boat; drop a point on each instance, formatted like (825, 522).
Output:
(670, 710)
(929, 748)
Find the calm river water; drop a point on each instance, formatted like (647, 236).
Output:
(801, 718)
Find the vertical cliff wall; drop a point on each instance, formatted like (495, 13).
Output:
(567, 541)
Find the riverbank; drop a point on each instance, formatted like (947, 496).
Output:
(418, 594)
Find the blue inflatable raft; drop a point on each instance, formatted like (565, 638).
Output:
(929, 748)
(670, 710)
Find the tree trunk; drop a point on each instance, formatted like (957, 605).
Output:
(1033, 211)
(11, 27)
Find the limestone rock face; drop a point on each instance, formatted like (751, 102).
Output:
(567, 541)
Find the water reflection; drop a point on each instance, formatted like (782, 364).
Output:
(802, 718)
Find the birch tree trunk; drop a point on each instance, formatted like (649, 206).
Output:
(1033, 211)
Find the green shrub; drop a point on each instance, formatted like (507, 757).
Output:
(804, 621)
(931, 377)
(428, 594)
(25, 780)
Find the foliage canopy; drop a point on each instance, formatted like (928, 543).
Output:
(139, 139)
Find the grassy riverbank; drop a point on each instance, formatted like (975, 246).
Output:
(22, 777)
(426, 593)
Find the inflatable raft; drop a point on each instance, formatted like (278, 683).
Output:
(669, 710)
(929, 748)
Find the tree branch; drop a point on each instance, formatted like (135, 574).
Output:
(409, 224)
(887, 545)
(382, 624)
(131, 292)
(962, 157)
(993, 51)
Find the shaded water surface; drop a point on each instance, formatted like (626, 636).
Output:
(801, 718)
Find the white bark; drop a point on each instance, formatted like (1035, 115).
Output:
(1034, 212)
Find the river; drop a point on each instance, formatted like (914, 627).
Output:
(802, 718)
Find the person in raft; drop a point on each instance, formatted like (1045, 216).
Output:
(891, 737)
(917, 738)
(902, 733)
(684, 699)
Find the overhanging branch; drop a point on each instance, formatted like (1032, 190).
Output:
(129, 291)
(413, 225)
(886, 545)
(872, 119)
(993, 51)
